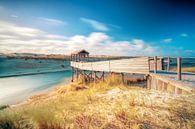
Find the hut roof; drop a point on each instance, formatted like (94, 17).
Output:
(80, 51)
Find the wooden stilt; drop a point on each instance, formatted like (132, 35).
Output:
(161, 64)
(148, 85)
(77, 74)
(95, 76)
(168, 63)
(149, 63)
(155, 64)
(179, 68)
(103, 76)
(122, 77)
(72, 74)
(92, 75)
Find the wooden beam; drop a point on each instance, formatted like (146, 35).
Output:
(168, 63)
(179, 68)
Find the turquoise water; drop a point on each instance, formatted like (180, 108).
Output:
(10, 67)
(14, 89)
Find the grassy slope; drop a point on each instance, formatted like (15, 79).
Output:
(107, 104)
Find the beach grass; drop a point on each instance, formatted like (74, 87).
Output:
(105, 104)
(189, 69)
(185, 69)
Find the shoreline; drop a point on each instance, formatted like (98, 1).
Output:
(23, 97)
(29, 74)
(44, 92)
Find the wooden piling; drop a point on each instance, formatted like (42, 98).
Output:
(103, 76)
(155, 64)
(95, 76)
(122, 77)
(179, 68)
(72, 74)
(168, 63)
(161, 64)
(77, 74)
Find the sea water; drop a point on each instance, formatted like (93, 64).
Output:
(20, 78)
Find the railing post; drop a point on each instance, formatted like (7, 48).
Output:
(161, 64)
(155, 64)
(179, 68)
(168, 63)
(149, 63)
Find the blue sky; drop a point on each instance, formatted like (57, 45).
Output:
(111, 27)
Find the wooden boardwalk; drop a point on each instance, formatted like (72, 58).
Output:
(159, 80)
(132, 65)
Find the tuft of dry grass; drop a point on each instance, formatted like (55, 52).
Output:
(105, 104)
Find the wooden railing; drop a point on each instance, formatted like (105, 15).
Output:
(158, 62)
(131, 65)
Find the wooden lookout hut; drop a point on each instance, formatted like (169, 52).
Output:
(81, 55)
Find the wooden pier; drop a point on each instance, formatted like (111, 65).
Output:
(151, 67)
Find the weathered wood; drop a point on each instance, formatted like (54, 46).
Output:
(168, 63)
(161, 64)
(72, 74)
(138, 65)
(155, 64)
(122, 77)
(179, 68)
(132, 65)
(77, 74)
(178, 91)
(168, 81)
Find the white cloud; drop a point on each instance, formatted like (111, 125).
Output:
(95, 24)
(19, 39)
(51, 21)
(168, 40)
(14, 16)
(184, 35)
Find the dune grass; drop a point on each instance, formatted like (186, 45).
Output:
(109, 105)
(185, 69)
(189, 69)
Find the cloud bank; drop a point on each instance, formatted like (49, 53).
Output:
(19, 39)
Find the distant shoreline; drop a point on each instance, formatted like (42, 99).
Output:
(26, 74)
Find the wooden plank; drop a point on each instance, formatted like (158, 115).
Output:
(173, 82)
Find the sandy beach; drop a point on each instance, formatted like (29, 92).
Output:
(17, 89)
